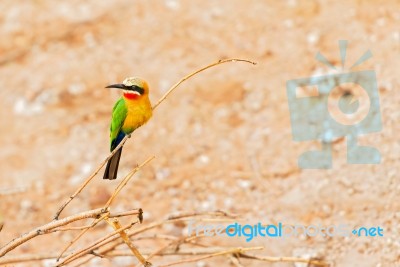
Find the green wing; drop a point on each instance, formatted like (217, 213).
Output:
(118, 117)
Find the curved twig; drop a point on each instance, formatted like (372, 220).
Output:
(222, 61)
(44, 229)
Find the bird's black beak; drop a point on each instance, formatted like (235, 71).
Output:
(129, 88)
(118, 86)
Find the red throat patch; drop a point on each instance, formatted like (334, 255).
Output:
(131, 96)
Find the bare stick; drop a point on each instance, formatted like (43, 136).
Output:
(285, 259)
(89, 179)
(226, 252)
(64, 229)
(26, 257)
(198, 71)
(93, 246)
(48, 227)
(175, 243)
(138, 212)
(125, 181)
(156, 236)
(116, 224)
(235, 261)
(93, 224)
(107, 205)
(171, 251)
(195, 214)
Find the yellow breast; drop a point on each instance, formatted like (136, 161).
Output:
(139, 112)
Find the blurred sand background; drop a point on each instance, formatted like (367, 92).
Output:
(222, 140)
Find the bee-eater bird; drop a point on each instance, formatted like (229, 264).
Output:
(130, 112)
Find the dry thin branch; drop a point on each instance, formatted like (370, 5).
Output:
(26, 257)
(87, 181)
(177, 218)
(176, 244)
(198, 71)
(125, 181)
(107, 205)
(93, 246)
(286, 259)
(235, 261)
(138, 212)
(171, 251)
(64, 229)
(220, 253)
(156, 236)
(116, 224)
(93, 224)
(48, 227)
(196, 214)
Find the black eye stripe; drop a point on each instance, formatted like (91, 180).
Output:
(136, 88)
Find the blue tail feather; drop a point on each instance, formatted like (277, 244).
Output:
(117, 140)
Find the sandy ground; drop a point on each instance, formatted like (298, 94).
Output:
(223, 140)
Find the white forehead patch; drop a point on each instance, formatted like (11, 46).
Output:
(131, 81)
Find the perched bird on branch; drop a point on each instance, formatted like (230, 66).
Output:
(130, 112)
